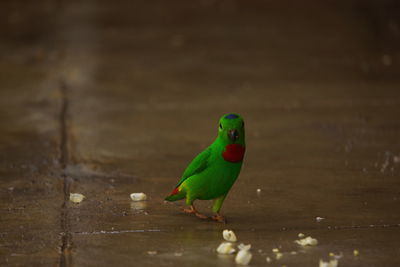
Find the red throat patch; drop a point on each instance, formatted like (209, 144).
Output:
(233, 153)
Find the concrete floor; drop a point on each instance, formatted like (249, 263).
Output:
(106, 98)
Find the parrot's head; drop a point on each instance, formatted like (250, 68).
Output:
(231, 129)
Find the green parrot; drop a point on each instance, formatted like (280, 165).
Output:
(212, 173)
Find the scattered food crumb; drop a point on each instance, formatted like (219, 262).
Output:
(336, 256)
(138, 196)
(301, 235)
(293, 252)
(268, 259)
(225, 248)
(258, 190)
(278, 255)
(242, 246)
(331, 263)
(307, 241)
(229, 235)
(76, 197)
(260, 251)
(396, 159)
(275, 250)
(152, 252)
(319, 219)
(178, 254)
(244, 255)
(356, 252)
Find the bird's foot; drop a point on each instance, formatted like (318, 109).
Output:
(189, 210)
(219, 218)
(201, 216)
(192, 210)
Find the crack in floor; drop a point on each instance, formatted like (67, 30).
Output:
(344, 227)
(66, 234)
(363, 226)
(118, 231)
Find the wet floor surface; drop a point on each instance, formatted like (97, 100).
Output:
(109, 98)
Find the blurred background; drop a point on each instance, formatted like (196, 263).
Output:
(106, 98)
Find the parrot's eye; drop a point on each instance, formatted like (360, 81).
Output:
(220, 126)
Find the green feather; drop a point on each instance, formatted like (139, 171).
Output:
(199, 164)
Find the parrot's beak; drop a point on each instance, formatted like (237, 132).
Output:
(233, 135)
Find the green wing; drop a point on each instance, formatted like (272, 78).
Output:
(199, 164)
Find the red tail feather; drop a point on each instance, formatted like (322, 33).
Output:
(175, 191)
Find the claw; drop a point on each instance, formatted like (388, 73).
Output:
(219, 218)
(201, 216)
